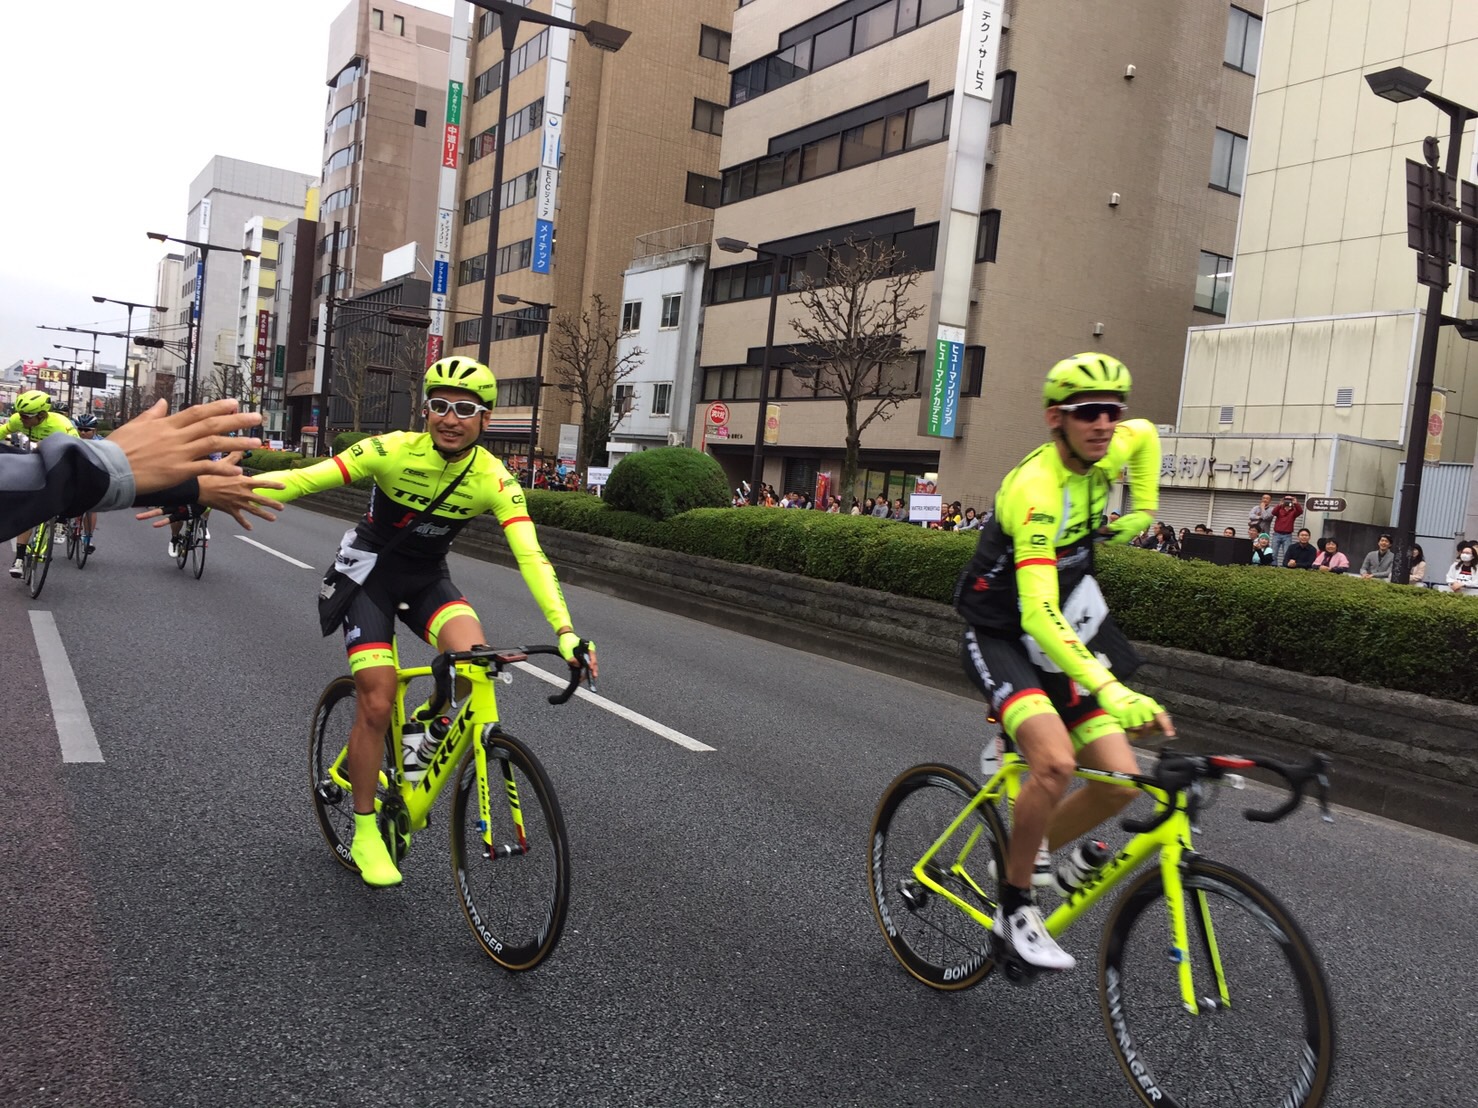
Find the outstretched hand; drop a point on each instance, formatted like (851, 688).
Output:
(163, 450)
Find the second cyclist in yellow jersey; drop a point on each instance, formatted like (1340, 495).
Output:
(413, 582)
(33, 418)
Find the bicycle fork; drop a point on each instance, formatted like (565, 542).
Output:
(1172, 858)
(490, 849)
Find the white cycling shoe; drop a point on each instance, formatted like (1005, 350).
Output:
(1026, 934)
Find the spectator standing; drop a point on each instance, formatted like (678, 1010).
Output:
(1261, 516)
(1462, 577)
(1330, 560)
(1285, 515)
(1229, 532)
(1379, 562)
(1418, 563)
(1301, 554)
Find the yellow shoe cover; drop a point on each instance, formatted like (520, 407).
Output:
(369, 853)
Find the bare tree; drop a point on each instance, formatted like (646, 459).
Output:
(353, 381)
(583, 360)
(852, 336)
(226, 381)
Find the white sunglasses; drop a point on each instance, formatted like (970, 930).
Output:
(462, 409)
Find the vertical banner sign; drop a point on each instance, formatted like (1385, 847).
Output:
(279, 366)
(772, 424)
(1436, 420)
(944, 383)
(446, 186)
(546, 196)
(264, 327)
(199, 279)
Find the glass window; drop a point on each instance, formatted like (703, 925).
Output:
(926, 123)
(875, 26)
(630, 316)
(831, 46)
(768, 174)
(708, 117)
(1003, 98)
(703, 191)
(420, 117)
(672, 309)
(377, 19)
(1244, 38)
(820, 158)
(397, 23)
(730, 190)
(790, 174)
(1213, 283)
(662, 398)
(756, 280)
(862, 144)
(974, 370)
(894, 129)
(1228, 161)
(933, 9)
(916, 248)
(908, 15)
(713, 43)
(988, 235)
(747, 176)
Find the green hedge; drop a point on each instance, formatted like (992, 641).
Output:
(666, 482)
(259, 460)
(345, 439)
(1387, 636)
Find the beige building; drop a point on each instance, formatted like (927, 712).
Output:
(637, 148)
(382, 151)
(1065, 200)
(1318, 355)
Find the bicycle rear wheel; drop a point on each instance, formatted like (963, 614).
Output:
(182, 544)
(81, 543)
(931, 937)
(197, 552)
(72, 536)
(333, 803)
(41, 547)
(1269, 1041)
(515, 895)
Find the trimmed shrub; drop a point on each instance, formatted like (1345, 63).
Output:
(660, 484)
(260, 460)
(345, 439)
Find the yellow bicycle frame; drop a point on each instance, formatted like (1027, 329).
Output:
(1172, 839)
(480, 711)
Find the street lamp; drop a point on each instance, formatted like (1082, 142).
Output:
(757, 466)
(548, 309)
(127, 342)
(511, 16)
(197, 314)
(1399, 85)
(72, 372)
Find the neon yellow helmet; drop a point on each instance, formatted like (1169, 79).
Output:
(1085, 373)
(463, 373)
(32, 402)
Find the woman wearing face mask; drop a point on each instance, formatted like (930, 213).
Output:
(1463, 576)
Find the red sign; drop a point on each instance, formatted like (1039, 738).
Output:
(1434, 425)
(433, 348)
(718, 414)
(449, 146)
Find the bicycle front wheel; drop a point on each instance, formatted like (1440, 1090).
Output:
(516, 892)
(197, 553)
(72, 536)
(930, 936)
(40, 557)
(1265, 1032)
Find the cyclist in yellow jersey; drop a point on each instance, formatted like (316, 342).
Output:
(33, 418)
(409, 471)
(1040, 643)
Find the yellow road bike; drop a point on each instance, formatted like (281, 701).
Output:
(509, 850)
(1228, 1005)
(36, 555)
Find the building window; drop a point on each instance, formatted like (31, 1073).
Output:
(345, 116)
(974, 371)
(1003, 99)
(751, 280)
(625, 399)
(1244, 39)
(1213, 283)
(398, 24)
(377, 19)
(672, 310)
(347, 155)
(531, 52)
(828, 45)
(630, 317)
(516, 191)
(526, 120)
(516, 255)
(420, 117)
(708, 117)
(988, 235)
(713, 43)
(703, 191)
(1228, 161)
(662, 398)
(336, 200)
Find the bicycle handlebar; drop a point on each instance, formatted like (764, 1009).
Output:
(1174, 773)
(442, 667)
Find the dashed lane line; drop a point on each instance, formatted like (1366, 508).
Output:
(275, 553)
(73, 725)
(659, 729)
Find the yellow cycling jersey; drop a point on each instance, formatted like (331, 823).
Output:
(1036, 546)
(409, 473)
(54, 424)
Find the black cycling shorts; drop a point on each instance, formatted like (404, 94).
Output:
(430, 598)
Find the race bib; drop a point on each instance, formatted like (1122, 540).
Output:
(1085, 610)
(353, 562)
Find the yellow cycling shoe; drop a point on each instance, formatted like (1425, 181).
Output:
(370, 855)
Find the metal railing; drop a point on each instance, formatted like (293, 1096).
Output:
(697, 233)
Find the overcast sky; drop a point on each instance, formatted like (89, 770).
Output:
(112, 107)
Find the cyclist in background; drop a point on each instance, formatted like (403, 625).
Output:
(33, 418)
(1040, 642)
(410, 469)
(87, 429)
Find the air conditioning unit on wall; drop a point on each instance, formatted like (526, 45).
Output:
(676, 438)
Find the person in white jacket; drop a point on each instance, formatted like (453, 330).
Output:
(1462, 577)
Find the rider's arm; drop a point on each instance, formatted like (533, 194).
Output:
(360, 460)
(512, 510)
(1041, 609)
(62, 478)
(1136, 444)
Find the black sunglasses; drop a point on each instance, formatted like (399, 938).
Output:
(1091, 411)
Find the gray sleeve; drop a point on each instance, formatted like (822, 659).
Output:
(120, 492)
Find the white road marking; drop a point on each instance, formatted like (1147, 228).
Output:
(73, 725)
(276, 553)
(659, 729)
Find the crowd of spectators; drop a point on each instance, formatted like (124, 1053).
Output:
(952, 517)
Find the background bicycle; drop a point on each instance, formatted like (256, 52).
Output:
(191, 544)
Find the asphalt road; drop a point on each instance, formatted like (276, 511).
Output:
(173, 930)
